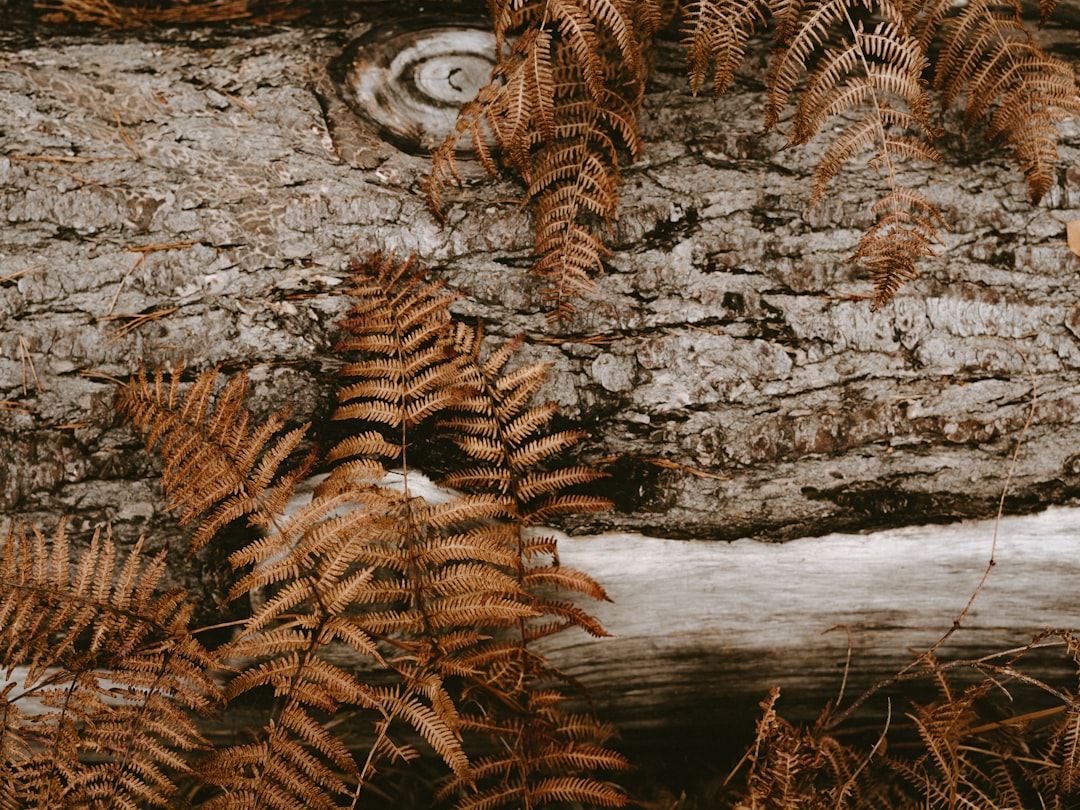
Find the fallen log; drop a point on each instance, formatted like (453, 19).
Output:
(196, 194)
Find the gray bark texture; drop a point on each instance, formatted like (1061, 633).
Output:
(195, 195)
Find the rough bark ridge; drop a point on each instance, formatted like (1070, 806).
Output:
(195, 195)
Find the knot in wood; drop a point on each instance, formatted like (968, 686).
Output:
(411, 80)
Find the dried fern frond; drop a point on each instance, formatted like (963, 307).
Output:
(906, 230)
(342, 572)
(877, 73)
(450, 587)
(112, 668)
(571, 183)
(550, 755)
(563, 102)
(286, 768)
(402, 364)
(964, 764)
(436, 562)
(795, 767)
(212, 458)
(325, 567)
(446, 586)
(326, 595)
(715, 34)
(456, 586)
(318, 570)
(549, 758)
(503, 432)
(1067, 741)
(1046, 10)
(990, 59)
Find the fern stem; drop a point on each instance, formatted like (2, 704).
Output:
(878, 115)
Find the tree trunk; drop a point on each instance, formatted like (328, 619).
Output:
(195, 195)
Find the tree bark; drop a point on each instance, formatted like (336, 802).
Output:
(195, 195)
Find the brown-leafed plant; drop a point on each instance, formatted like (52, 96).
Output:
(562, 109)
(971, 747)
(443, 599)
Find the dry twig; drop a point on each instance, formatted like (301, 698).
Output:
(133, 322)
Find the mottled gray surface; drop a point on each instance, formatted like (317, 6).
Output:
(725, 378)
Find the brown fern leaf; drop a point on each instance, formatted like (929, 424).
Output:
(1046, 10)
(1068, 742)
(442, 596)
(715, 36)
(948, 773)
(990, 58)
(563, 101)
(905, 231)
(874, 71)
(519, 99)
(798, 38)
(323, 565)
(778, 758)
(878, 65)
(440, 560)
(431, 583)
(402, 363)
(212, 458)
(15, 752)
(582, 25)
(572, 181)
(867, 133)
(548, 759)
(500, 428)
(551, 755)
(798, 767)
(427, 591)
(398, 580)
(446, 577)
(335, 572)
(573, 178)
(280, 770)
(107, 671)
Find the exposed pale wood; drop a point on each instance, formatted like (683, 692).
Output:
(701, 630)
(704, 629)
